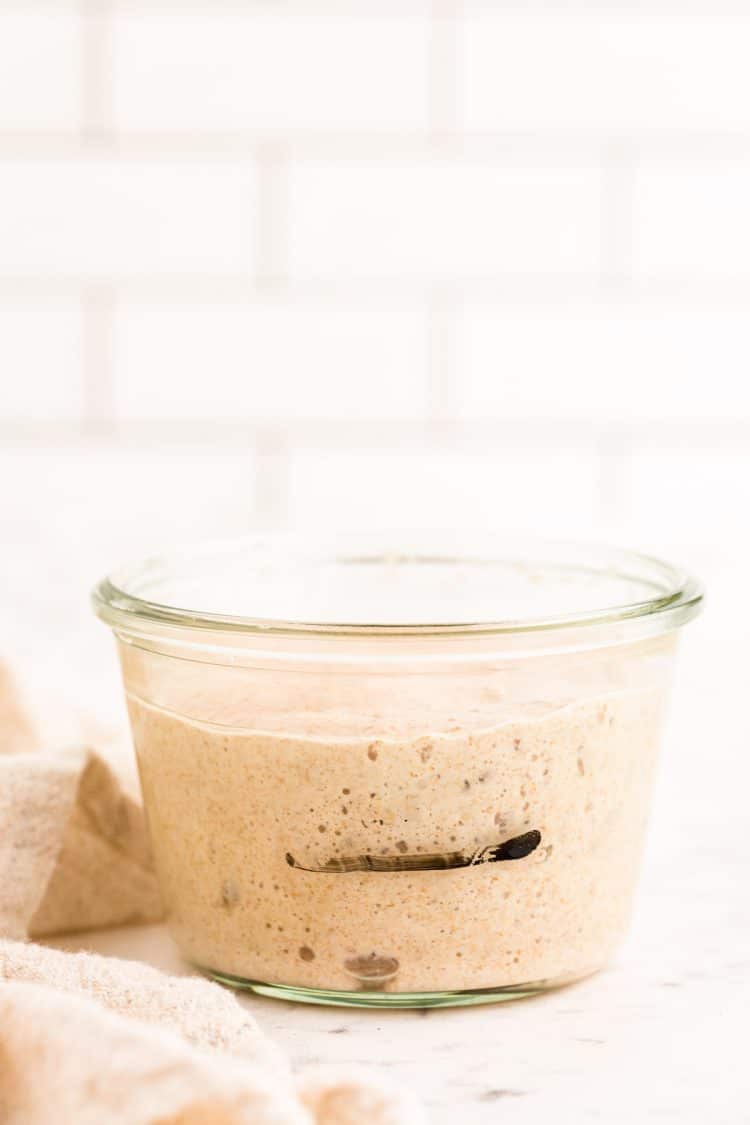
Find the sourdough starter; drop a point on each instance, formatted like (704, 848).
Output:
(232, 803)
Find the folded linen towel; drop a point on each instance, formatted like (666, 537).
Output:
(88, 1040)
(204, 1014)
(68, 1059)
(73, 846)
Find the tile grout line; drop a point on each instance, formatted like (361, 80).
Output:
(272, 471)
(442, 355)
(443, 70)
(563, 146)
(614, 446)
(97, 101)
(98, 299)
(274, 435)
(271, 498)
(403, 9)
(442, 391)
(271, 271)
(529, 288)
(97, 313)
(616, 220)
(614, 450)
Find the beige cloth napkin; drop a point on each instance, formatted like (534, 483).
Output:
(73, 850)
(88, 1040)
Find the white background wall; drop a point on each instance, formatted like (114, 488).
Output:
(343, 262)
(268, 264)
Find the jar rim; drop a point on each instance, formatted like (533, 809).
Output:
(663, 595)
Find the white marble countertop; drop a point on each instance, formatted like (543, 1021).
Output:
(659, 1036)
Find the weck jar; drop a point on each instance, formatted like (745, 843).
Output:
(395, 773)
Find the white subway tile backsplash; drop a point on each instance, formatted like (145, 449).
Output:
(531, 489)
(659, 98)
(691, 220)
(693, 493)
(76, 513)
(40, 358)
(102, 217)
(609, 360)
(262, 66)
(611, 68)
(40, 64)
(77, 521)
(271, 358)
(438, 218)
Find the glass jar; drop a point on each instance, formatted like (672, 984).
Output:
(392, 773)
